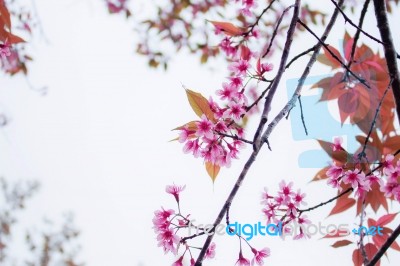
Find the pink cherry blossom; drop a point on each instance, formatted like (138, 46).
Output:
(354, 177)
(388, 164)
(298, 198)
(227, 92)
(210, 253)
(192, 146)
(204, 127)
(5, 49)
(240, 67)
(175, 190)
(178, 262)
(235, 111)
(337, 144)
(334, 171)
(168, 240)
(260, 255)
(242, 261)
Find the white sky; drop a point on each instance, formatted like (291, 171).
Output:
(98, 143)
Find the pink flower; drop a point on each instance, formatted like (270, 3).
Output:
(210, 253)
(260, 255)
(227, 47)
(184, 134)
(235, 111)
(388, 164)
(236, 82)
(286, 190)
(334, 172)
(337, 144)
(242, 261)
(389, 188)
(262, 68)
(298, 198)
(5, 49)
(192, 262)
(204, 128)
(354, 178)
(301, 235)
(255, 32)
(175, 190)
(168, 240)
(227, 92)
(335, 183)
(192, 146)
(178, 262)
(240, 67)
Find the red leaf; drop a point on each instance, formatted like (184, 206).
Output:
(342, 204)
(370, 249)
(341, 243)
(331, 61)
(339, 156)
(385, 219)
(337, 233)
(228, 28)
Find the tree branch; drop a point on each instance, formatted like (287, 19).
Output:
(285, 54)
(390, 52)
(255, 152)
(385, 246)
(303, 77)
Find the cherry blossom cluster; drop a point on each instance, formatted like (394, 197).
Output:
(218, 139)
(360, 182)
(284, 208)
(167, 223)
(206, 139)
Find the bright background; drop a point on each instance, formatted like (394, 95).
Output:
(98, 143)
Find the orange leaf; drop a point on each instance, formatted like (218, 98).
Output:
(227, 28)
(199, 104)
(190, 125)
(212, 170)
(341, 243)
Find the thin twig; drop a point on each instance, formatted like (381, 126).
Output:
(275, 32)
(362, 247)
(347, 19)
(271, 93)
(326, 202)
(297, 93)
(235, 137)
(302, 116)
(359, 29)
(362, 153)
(251, 28)
(333, 54)
(300, 55)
